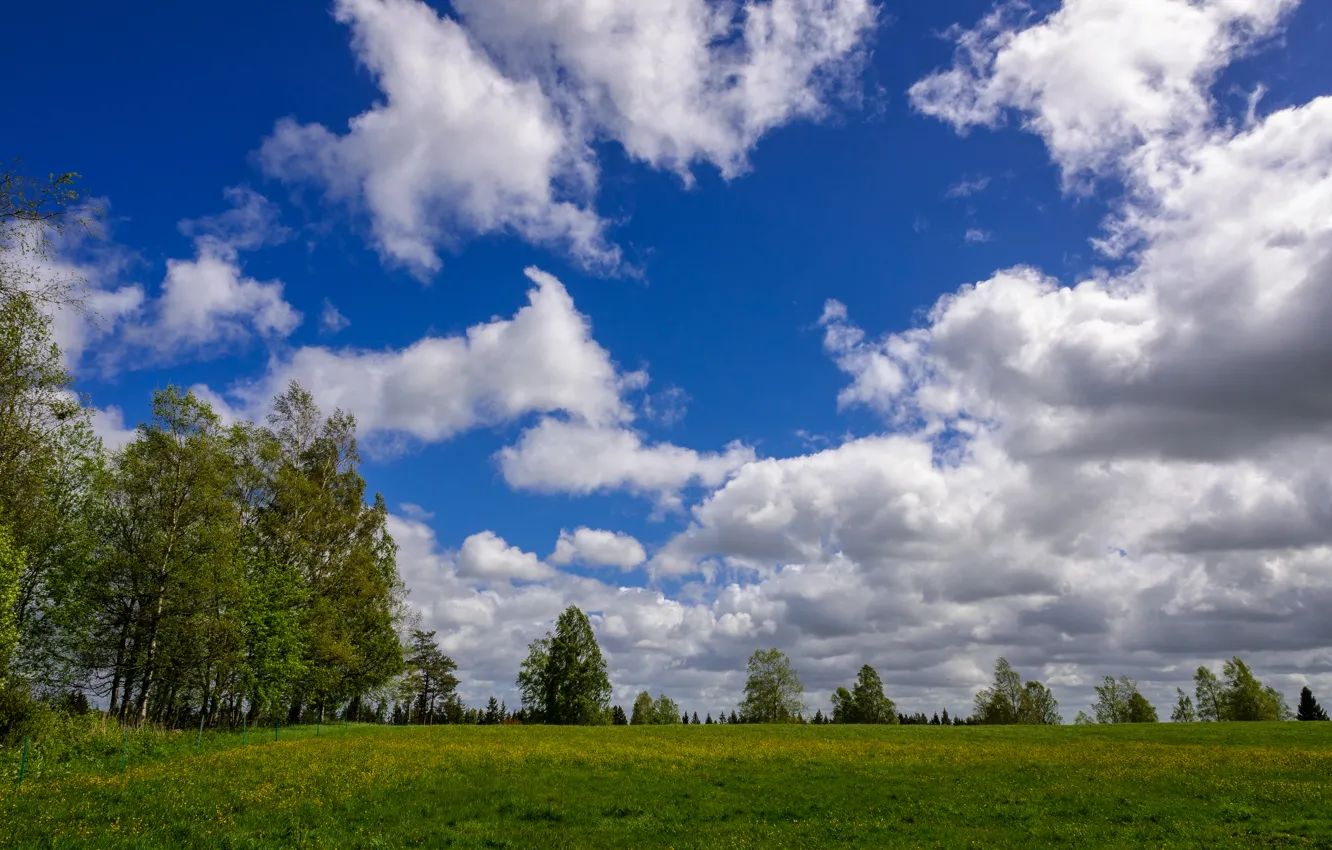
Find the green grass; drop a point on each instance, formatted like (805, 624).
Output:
(1200, 785)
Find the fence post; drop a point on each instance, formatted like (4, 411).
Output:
(124, 749)
(23, 762)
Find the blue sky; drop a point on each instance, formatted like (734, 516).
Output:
(722, 222)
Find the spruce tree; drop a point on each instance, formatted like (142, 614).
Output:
(944, 719)
(1309, 707)
(695, 720)
(708, 721)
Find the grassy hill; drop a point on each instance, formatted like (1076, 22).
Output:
(710, 786)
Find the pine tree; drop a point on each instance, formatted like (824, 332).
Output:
(1309, 708)
(618, 717)
(563, 680)
(945, 719)
(708, 721)
(934, 721)
(695, 720)
(733, 718)
(818, 717)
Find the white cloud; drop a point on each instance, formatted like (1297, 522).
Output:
(206, 304)
(109, 425)
(542, 360)
(456, 148)
(967, 188)
(975, 235)
(331, 320)
(490, 127)
(597, 548)
(679, 82)
(487, 556)
(577, 457)
(1098, 78)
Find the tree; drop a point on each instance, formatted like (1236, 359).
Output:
(733, 718)
(1083, 719)
(1038, 706)
(773, 690)
(11, 568)
(563, 680)
(644, 710)
(1309, 708)
(618, 717)
(1245, 699)
(493, 716)
(695, 719)
(1207, 689)
(1184, 711)
(945, 721)
(665, 712)
(33, 215)
(1118, 701)
(1140, 710)
(1001, 703)
(708, 721)
(434, 671)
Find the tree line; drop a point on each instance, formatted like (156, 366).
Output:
(564, 681)
(201, 572)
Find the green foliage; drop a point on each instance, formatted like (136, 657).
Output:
(563, 680)
(773, 690)
(1240, 697)
(1184, 711)
(864, 703)
(1309, 708)
(1119, 701)
(644, 710)
(1009, 702)
(11, 570)
(433, 680)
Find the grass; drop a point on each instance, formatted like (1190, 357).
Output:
(1199, 785)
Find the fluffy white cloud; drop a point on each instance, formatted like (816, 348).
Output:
(456, 147)
(205, 304)
(543, 359)
(578, 457)
(1098, 78)
(488, 556)
(679, 82)
(489, 127)
(597, 548)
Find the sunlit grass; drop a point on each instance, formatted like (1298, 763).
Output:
(718, 786)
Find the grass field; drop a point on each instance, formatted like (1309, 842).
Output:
(712, 786)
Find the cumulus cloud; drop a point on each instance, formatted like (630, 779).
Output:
(543, 359)
(488, 556)
(1098, 79)
(205, 305)
(577, 457)
(489, 126)
(597, 548)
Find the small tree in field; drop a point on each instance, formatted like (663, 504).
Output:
(773, 690)
(1184, 711)
(563, 680)
(1309, 707)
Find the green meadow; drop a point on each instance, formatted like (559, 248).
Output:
(1158, 785)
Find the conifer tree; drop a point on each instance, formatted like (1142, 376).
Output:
(1309, 708)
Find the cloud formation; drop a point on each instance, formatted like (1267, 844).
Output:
(1122, 473)
(487, 125)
